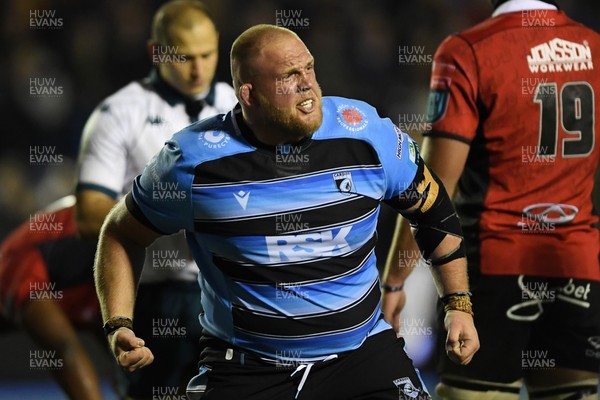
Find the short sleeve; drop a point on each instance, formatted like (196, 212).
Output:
(103, 153)
(452, 105)
(399, 156)
(162, 193)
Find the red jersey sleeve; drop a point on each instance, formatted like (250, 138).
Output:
(452, 106)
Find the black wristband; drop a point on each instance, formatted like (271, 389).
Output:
(448, 297)
(388, 288)
(114, 323)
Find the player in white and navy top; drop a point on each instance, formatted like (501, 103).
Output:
(123, 134)
(120, 137)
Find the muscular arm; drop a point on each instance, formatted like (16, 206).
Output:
(92, 207)
(448, 157)
(117, 269)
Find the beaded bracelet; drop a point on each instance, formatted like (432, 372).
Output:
(448, 297)
(388, 288)
(456, 302)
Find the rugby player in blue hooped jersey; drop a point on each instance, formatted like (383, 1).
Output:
(290, 289)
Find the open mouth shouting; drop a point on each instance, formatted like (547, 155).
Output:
(307, 106)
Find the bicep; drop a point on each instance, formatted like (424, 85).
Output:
(123, 226)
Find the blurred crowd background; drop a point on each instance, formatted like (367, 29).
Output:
(100, 46)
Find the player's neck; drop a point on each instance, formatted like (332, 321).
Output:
(267, 135)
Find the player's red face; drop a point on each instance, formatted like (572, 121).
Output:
(286, 88)
(193, 68)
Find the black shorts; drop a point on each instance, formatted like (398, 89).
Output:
(528, 324)
(166, 317)
(379, 369)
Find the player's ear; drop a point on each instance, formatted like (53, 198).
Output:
(150, 48)
(245, 94)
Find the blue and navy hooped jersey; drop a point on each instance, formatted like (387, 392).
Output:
(284, 235)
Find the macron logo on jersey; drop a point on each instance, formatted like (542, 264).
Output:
(560, 55)
(242, 198)
(307, 246)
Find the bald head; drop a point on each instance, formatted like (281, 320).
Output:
(184, 28)
(276, 86)
(249, 46)
(178, 15)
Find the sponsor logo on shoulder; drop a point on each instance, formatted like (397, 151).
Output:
(412, 150)
(559, 55)
(400, 142)
(351, 118)
(441, 80)
(214, 139)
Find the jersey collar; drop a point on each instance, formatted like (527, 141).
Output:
(172, 96)
(520, 5)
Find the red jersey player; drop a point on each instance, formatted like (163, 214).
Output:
(513, 132)
(47, 287)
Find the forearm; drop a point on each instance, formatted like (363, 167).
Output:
(450, 277)
(118, 265)
(117, 269)
(436, 230)
(403, 256)
(116, 273)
